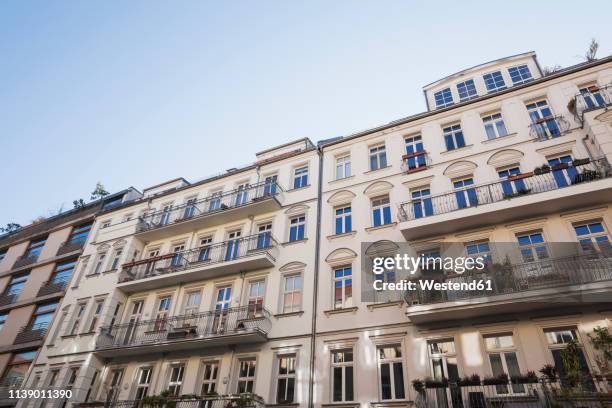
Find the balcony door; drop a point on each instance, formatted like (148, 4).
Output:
(256, 298)
(222, 305)
(443, 360)
(135, 315)
(163, 310)
(270, 185)
(263, 235)
(115, 385)
(210, 372)
(415, 152)
(543, 120)
(233, 244)
(165, 215)
(563, 177)
(242, 193)
(466, 197)
(150, 268)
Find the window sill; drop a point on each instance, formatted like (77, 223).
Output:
(341, 179)
(378, 169)
(344, 234)
(380, 227)
(88, 333)
(466, 147)
(296, 189)
(397, 303)
(69, 336)
(289, 404)
(508, 136)
(340, 311)
(299, 241)
(109, 271)
(289, 314)
(341, 405)
(391, 403)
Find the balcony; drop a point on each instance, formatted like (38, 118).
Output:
(8, 298)
(516, 288)
(213, 210)
(245, 324)
(222, 259)
(25, 260)
(549, 128)
(415, 162)
(53, 287)
(71, 246)
(545, 190)
(211, 401)
(593, 98)
(30, 333)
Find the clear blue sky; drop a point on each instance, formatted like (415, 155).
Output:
(138, 92)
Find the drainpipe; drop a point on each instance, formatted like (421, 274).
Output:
(313, 329)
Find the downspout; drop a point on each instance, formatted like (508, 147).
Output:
(313, 329)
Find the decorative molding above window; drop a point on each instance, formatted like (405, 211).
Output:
(341, 197)
(297, 209)
(378, 188)
(505, 157)
(460, 169)
(557, 149)
(421, 182)
(341, 256)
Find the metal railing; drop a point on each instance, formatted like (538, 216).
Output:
(541, 180)
(226, 251)
(53, 286)
(510, 278)
(25, 260)
(8, 298)
(33, 332)
(213, 401)
(231, 321)
(549, 127)
(71, 246)
(596, 97)
(210, 205)
(415, 162)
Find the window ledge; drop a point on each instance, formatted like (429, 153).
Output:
(508, 136)
(340, 311)
(341, 405)
(466, 147)
(384, 226)
(378, 169)
(341, 179)
(289, 314)
(299, 241)
(296, 189)
(290, 404)
(391, 403)
(69, 336)
(91, 333)
(344, 234)
(109, 271)
(397, 303)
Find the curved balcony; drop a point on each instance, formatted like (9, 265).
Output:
(53, 286)
(584, 182)
(591, 99)
(32, 332)
(415, 162)
(549, 128)
(221, 259)
(515, 288)
(213, 210)
(211, 401)
(71, 246)
(8, 298)
(240, 325)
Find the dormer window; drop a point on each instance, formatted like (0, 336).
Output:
(443, 98)
(520, 74)
(467, 90)
(494, 81)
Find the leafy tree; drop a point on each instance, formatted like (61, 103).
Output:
(10, 227)
(602, 342)
(591, 54)
(80, 203)
(99, 192)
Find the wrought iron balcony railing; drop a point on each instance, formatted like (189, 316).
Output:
(8, 298)
(71, 246)
(509, 278)
(541, 180)
(53, 286)
(227, 251)
(549, 127)
(592, 98)
(25, 260)
(32, 332)
(231, 321)
(212, 401)
(415, 162)
(215, 203)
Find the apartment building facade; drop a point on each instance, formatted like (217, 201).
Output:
(197, 288)
(215, 287)
(36, 264)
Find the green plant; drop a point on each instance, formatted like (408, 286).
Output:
(549, 371)
(502, 274)
(418, 385)
(570, 358)
(602, 342)
(436, 382)
(99, 192)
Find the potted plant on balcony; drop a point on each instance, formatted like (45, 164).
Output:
(580, 162)
(520, 176)
(543, 169)
(418, 385)
(502, 276)
(529, 378)
(571, 106)
(472, 380)
(601, 339)
(501, 379)
(560, 166)
(549, 371)
(436, 382)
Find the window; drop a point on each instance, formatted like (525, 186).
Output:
(467, 90)
(35, 248)
(512, 188)
(78, 316)
(342, 375)
(163, 310)
(204, 254)
(90, 390)
(453, 137)
(176, 379)
(343, 220)
(73, 373)
(443, 361)
(391, 372)
(42, 317)
(97, 313)
(592, 97)
(79, 234)
(270, 185)
(465, 195)
(143, 383)
(192, 302)
(115, 384)
(233, 244)
(264, 235)
(378, 157)
(246, 375)
(17, 368)
(215, 201)
(292, 293)
(494, 81)
(520, 74)
(558, 339)
(381, 211)
(494, 126)
(177, 259)
(190, 208)
(53, 376)
(443, 98)
(296, 228)
(532, 247)
(285, 382)
(16, 285)
(99, 263)
(300, 177)
(256, 298)
(3, 317)
(116, 259)
(592, 236)
(415, 154)
(343, 287)
(421, 203)
(62, 273)
(242, 194)
(563, 177)
(503, 360)
(343, 167)
(543, 120)
(209, 378)
(2, 254)
(480, 249)
(115, 313)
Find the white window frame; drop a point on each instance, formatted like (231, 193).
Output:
(343, 167)
(378, 152)
(287, 377)
(80, 309)
(391, 362)
(96, 312)
(493, 121)
(346, 302)
(116, 259)
(342, 365)
(295, 307)
(248, 378)
(210, 383)
(175, 385)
